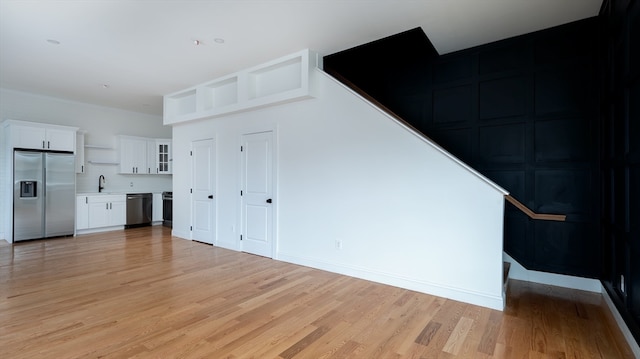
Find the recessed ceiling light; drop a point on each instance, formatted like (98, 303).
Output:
(53, 42)
(219, 40)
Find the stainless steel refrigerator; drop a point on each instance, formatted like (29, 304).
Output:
(43, 194)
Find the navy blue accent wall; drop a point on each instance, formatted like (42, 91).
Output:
(620, 153)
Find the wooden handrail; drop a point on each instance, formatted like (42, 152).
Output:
(534, 215)
(513, 201)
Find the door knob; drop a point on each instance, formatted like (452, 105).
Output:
(210, 196)
(269, 200)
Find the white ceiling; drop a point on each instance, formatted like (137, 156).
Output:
(143, 49)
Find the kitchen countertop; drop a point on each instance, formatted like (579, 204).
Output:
(114, 193)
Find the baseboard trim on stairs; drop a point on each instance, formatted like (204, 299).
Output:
(518, 272)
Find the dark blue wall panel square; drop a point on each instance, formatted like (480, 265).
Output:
(503, 97)
(451, 105)
(564, 191)
(563, 140)
(502, 143)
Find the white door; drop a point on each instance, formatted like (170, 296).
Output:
(202, 191)
(257, 193)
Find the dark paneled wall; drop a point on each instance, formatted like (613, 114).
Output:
(522, 111)
(620, 59)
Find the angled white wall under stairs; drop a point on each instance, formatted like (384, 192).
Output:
(403, 211)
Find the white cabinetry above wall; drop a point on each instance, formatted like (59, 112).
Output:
(282, 80)
(31, 135)
(140, 155)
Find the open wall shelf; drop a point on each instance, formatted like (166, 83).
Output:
(281, 80)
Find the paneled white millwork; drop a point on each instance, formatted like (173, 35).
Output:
(203, 191)
(257, 193)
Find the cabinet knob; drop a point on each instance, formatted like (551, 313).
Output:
(269, 200)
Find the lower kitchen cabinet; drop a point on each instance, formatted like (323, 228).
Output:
(82, 212)
(97, 211)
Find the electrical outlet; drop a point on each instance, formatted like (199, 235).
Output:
(338, 244)
(130, 184)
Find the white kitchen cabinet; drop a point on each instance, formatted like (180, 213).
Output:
(80, 163)
(158, 156)
(157, 207)
(37, 136)
(82, 212)
(139, 155)
(151, 157)
(118, 216)
(107, 210)
(133, 155)
(163, 156)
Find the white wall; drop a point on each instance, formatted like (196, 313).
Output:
(102, 125)
(406, 214)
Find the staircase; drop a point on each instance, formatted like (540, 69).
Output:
(550, 216)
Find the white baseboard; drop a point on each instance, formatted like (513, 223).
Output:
(181, 234)
(459, 294)
(518, 272)
(635, 348)
(98, 230)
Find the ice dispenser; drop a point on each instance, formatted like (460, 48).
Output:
(28, 189)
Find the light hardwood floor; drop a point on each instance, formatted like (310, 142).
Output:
(140, 293)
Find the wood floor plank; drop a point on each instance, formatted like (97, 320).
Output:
(141, 293)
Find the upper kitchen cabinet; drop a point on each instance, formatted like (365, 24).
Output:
(133, 155)
(278, 81)
(159, 158)
(37, 136)
(140, 155)
(80, 164)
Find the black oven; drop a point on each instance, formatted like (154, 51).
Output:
(167, 209)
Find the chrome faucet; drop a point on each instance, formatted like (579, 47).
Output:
(100, 183)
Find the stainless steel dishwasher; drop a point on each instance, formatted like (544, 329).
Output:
(139, 209)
